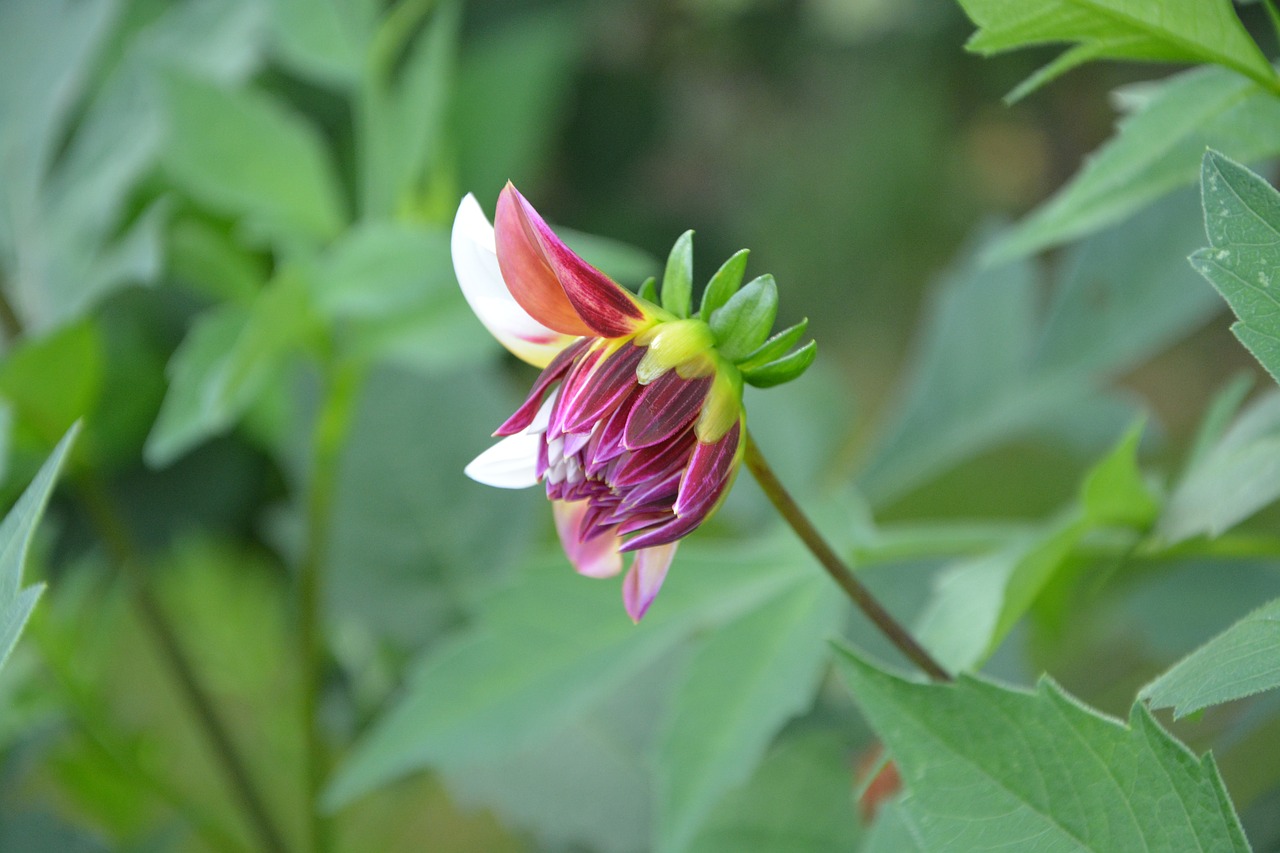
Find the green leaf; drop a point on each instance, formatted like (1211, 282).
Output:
(724, 283)
(782, 370)
(745, 681)
(990, 767)
(379, 268)
(1241, 661)
(326, 41)
(1173, 31)
(245, 155)
(542, 650)
(776, 347)
(404, 117)
(742, 324)
(987, 368)
(53, 381)
(649, 290)
(1114, 491)
(797, 802)
(230, 356)
(677, 281)
(1232, 479)
(978, 601)
(16, 532)
(1156, 148)
(1242, 217)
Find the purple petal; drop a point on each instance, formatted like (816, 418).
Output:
(666, 406)
(645, 578)
(655, 462)
(558, 367)
(708, 474)
(604, 388)
(677, 528)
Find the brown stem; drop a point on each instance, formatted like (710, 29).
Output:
(840, 573)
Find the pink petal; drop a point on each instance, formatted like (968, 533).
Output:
(597, 557)
(645, 578)
(476, 265)
(558, 367)
(554, 284)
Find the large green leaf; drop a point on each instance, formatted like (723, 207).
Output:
(797, 802)
(16, 532)
(246, 155)
(745, 681)
(1242, 217)
(327, 40)
(1156, 148)
(230, 355)
(542, 650)
(1241, 661)
(978, 601)
(988, 767)
(1232, 479)
(1159, 30)
(988, 368)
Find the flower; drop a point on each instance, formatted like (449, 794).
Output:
(635, 425)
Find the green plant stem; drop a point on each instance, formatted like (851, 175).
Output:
(840, 573)
(327, 442)
(120, 545)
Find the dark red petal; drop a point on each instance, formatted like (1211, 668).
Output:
(666, 406)
(558, 367)
(708, 473)
(598, 300)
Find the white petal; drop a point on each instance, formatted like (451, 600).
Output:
(475, 263)
(510, 464)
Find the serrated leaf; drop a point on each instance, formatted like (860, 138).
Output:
(776, 347)
(1155, 149)
(1241, 661)
(229, 356)
(784, 369)
(16, 532)
(244, 154)
(548, 646)
(724, 283)
(1242, 218)
(746, 680)
(1232, 479)
(989, 767)
(742, 324)
(1172, 31)
(677, 281)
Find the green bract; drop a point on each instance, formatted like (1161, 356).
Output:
(740, 316)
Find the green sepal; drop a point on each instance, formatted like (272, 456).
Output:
(649, 290)
(782, 370)
(776, 347)
(724, 283)
(743, 323)
(677, 281)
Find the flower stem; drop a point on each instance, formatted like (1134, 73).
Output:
(840, 573)
(327, 441)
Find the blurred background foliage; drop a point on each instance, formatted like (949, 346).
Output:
(224, 246)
